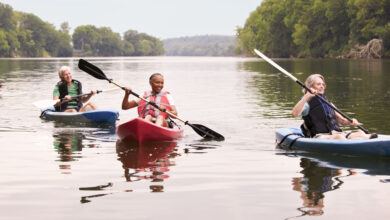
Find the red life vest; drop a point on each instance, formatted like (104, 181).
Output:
(145, 109)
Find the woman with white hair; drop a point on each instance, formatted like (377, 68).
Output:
(68, 88)
(320, 120)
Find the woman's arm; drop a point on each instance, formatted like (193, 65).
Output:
(298, 108)
(173, 110)
(126, 104)
(346, 122)
(87, 97)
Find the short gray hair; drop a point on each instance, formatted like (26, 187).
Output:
(62, 69)
(310, 80)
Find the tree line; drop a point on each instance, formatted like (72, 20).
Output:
(206, 45)
(26, 35)
(315, 28)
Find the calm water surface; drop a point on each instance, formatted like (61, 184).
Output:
(60, 171)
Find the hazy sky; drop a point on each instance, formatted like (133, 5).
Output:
(159, 18)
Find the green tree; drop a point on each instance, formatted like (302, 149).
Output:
(7, 21)
(315, 28)
(339, 26)
(64, 41)
(143, 44)
(39, 38)
(109, 43)
(266, 29)
(27, 44)
(13, 42)
(86, 38)
(63, 46)
(4, 47)
(132, 37)
(92, 41)
(39, 31)
(370, 19)
(312, 33)
(128, 48)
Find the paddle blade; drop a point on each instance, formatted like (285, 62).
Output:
(206, 132)
(44, 104)
(92, 69)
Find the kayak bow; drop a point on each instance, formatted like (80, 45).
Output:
(140, 130)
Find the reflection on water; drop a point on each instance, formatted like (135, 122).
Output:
(85, 199)
(365, 164)
(326, 172)
(69, 144)
(199, 148)
(146, 161)
(316, 181)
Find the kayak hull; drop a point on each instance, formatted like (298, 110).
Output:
(141, 130)
(292, 138)
(96, 116)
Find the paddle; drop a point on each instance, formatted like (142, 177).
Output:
(202, 130)
(305, 87)
(44, 104)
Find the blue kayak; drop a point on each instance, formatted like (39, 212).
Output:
(96, 116)
(292, 138)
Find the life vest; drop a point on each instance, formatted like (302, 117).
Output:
(321, 118)
(145, 108)
(63, 89)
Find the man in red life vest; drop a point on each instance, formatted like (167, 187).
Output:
(163, 100)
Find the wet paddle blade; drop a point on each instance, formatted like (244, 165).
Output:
(206, 132)
(92, 69)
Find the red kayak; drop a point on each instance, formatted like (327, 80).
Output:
(141, 130)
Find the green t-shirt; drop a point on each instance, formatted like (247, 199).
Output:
(72, 91)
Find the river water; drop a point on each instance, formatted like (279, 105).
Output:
(62, 171)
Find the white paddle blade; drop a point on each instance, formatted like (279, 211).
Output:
(43, 104)
(275, 65)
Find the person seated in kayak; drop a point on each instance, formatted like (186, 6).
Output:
(162, 99)
(68, 88)
(320, 120)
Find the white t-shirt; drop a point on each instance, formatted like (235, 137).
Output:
(306, 109)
